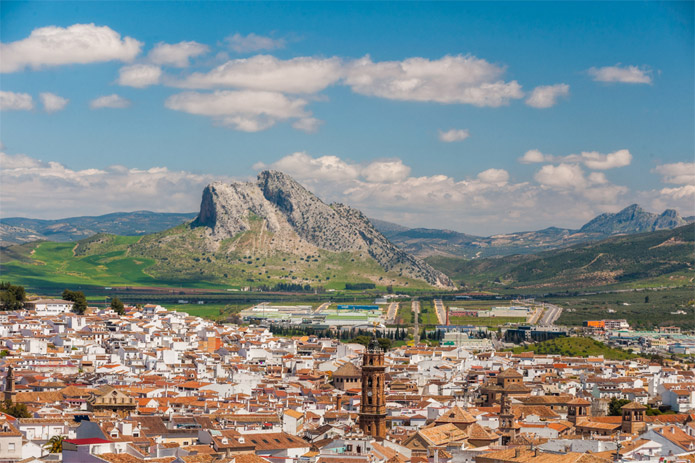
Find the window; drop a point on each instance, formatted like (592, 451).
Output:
(10, 447)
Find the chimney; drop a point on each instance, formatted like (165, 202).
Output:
(517, 452)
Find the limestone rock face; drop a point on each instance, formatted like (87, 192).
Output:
(296, 217)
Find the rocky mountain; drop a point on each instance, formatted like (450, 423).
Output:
(298, 221)
(23, 230)
(633, 219)
(423, 242)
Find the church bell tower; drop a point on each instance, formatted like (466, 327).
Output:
(10, 391)
(373, 404)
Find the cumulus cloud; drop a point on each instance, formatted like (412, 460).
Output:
(77, 44)
(264, 72)
(622, 74)
(454, 135)
(52, 190)
(683, 192)
(451, 79)
(305, 167)
(245, 110)
(532, 156)
(109, 101)
(176, 54)
(546, 96)
(52, 102)
(597, 161)
(386, 171)
(139, 75)
(11, 101)
(591, 159)
(562, 176)
(680, 173)
(253, 42)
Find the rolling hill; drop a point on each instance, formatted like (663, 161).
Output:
(659, 257)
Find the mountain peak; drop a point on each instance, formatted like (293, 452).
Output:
(632, 219)
(298, 219)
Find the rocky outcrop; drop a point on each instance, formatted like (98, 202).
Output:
(633, 219)
(292, 212)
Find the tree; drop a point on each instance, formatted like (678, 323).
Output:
(80, 302)
(616, 405)
(17, 410)
(117, 306)
(11, 297)
(54, 444)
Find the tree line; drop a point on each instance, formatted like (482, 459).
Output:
(13, 297)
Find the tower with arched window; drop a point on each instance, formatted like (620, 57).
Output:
(373, 404)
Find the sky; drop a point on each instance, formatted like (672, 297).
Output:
(483, 118)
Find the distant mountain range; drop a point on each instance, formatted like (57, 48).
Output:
(22, 230)
(654, 258)
(420, 242)
(426, 242)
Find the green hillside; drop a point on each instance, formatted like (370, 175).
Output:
(179, 257)
(658, 258)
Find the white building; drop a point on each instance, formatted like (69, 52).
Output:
(49, 306)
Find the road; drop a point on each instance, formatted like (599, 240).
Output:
(416, 312)
(552, 313)
(440, 311)
(533, 319)
(391, 312)
(322, 307)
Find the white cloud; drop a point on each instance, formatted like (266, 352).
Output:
(253, 42)
(545, 96)
(591, 159)
(139, 75)
(77, 44)
(109, 101)
(495, 176)
(624, 74)
(561, 177)
(305, 167)
(52, 190)
(597, 161)
(386, 171)
(264, 72)
(451, 79)
(176, 54)
(454, 135)
(680, 173)
(10, 101)
(245, 110)
(683, 192)
(52, 102)
(534, 155)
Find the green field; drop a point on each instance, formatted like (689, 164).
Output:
(209, 311)
(405, 313)
(428, 315)
(575, 347)
(645, 309)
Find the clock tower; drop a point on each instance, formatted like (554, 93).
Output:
(373, 404)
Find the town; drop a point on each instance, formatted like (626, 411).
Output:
(158, 385)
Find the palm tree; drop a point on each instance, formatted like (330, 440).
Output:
(54, 444)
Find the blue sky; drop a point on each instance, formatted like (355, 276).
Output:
(479, 117)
